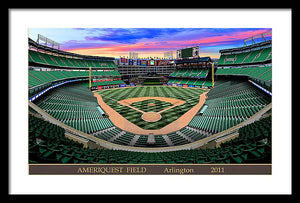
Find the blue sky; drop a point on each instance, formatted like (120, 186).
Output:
(146, 41)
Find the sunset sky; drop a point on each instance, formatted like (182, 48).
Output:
(116, 42)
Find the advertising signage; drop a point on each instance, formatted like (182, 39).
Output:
(151, 63)
(163, 62)
(130, 62)
(123, 60)
(143, 62)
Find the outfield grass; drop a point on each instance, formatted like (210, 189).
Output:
(190, 95)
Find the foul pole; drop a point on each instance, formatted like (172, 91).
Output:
(90, 77)
(213, 75)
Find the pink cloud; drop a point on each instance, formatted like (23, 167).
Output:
(155, 46)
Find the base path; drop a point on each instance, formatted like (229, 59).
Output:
(122, 123)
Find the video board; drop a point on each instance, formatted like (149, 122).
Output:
(190, 52)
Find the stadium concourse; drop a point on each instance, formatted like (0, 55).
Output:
(225, 108)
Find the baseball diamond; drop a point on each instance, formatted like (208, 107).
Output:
(134, 115)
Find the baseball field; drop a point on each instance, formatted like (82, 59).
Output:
(151, 107)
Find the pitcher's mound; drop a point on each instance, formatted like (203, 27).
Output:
(151, 116)
(151, 104)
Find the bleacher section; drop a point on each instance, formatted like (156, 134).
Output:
(61, 61)
(48, 144)
(253, 61)
(197, 73)
(261, 72)
(194, 82)
(191, 75)
(252, 56)
(36, 78)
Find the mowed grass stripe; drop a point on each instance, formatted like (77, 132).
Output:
(124, 94)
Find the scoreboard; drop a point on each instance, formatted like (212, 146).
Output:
(188, 53)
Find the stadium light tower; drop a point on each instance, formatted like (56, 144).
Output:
(47, 41)
(260, 36)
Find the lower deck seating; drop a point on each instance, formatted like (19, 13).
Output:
(124, 139)
(48, 144)
(75, 106)
(193, 134)
(229, 104)
(177, 139)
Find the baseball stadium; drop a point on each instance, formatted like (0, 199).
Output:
(188, 109)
